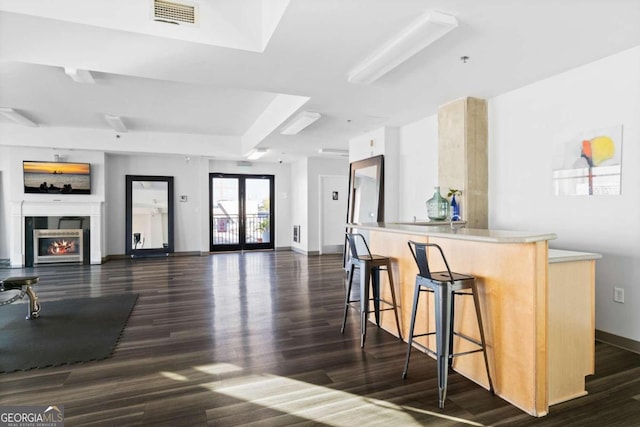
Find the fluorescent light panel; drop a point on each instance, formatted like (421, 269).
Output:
(16, 117)
(256, 153)
(116, 123)
(79, 76)
(301, 121)
(335, 151)
(419, 34)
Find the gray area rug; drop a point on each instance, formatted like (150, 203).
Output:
(67, 331)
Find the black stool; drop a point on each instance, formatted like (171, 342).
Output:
(445, 285)
(24, 285)
(370, 266)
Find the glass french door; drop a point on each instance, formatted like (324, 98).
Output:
(241, 212)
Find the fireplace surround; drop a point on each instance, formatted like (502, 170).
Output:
(20, 210)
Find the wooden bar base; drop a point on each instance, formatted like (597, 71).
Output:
(537, 308)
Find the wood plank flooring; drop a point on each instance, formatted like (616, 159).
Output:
(254, 339)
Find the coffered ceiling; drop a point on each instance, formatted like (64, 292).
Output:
(246, 68)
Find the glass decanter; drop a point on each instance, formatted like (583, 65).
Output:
(437, 206)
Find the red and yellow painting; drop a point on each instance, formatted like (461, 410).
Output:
(589, 164)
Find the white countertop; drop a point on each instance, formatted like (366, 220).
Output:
(429, 222)
(560, 255)
(446, 231)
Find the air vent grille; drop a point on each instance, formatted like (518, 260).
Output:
(174, 12)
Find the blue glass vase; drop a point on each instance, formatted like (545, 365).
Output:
(455, 209)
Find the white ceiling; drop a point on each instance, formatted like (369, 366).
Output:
(164, 78)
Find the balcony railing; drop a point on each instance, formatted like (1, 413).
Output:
(226, 229)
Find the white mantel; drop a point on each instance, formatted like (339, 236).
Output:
(21, 209)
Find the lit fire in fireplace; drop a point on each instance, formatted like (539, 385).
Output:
(61, 247)
(57, 245)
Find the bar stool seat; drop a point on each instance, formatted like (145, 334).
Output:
(370, 266)
(24, 284)
(445, 286)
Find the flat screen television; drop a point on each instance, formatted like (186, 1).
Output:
(56, 177)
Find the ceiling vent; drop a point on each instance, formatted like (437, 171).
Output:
(175, 12)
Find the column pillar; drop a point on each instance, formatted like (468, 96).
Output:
(462, 157)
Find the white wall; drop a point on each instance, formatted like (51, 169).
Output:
(320, 166)
(4, 205)
(185, 181)
(191, 221)
(12, 184)
(16, 184)
(305, 198)
(297, 199)
(383, 141)
(299, 204)
(367, 145)
(27, 143)
(191, 218)
(333, 213)
(526, 126)
(418, 171)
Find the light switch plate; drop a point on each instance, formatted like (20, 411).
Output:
(618, 295)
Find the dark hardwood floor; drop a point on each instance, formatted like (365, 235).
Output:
(254, 339)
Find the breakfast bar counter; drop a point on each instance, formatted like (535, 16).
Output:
(537, 307)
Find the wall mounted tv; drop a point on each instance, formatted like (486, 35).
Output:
(56, 177)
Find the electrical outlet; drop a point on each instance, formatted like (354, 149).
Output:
(618, 295)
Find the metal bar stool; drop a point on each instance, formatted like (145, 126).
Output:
(370, 266)
(445, 285)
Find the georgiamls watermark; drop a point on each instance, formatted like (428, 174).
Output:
(32, 416)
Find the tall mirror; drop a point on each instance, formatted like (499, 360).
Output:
(366, 194)
(366, 191)
(149, 221)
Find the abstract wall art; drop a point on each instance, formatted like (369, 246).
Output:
(589, 164)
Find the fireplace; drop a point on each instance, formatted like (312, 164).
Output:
(57, 246)
(21, 241)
